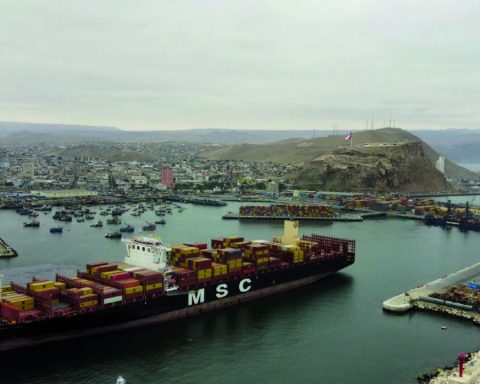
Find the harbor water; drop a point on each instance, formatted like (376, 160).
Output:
(333, 331)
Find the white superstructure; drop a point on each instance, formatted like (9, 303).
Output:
(148, 253)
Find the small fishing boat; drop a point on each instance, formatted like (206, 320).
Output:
(114, 235)
(114, 221)
(149, 227)
(32, 224)
(98, 224)
(162, 222)
(56, 230)
(127, 228)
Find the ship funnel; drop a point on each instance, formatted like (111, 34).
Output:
(290, 232)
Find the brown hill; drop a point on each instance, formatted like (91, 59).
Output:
(400, 167)
(301, 151)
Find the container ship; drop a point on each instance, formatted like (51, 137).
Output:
(160, 282)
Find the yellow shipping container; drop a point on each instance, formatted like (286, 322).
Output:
(59, 285)
(22, 307)
(87, 304)
(6, 288)
(13, 294)
(41, 285)
(204, 273)
(20, 302)
(52, 289)
(149, 287)
(86, 291)
(189, 250)
(131, 290)
(219, 270)
(105, 275)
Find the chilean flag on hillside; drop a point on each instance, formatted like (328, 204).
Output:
(348, 137)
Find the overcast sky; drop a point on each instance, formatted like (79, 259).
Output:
(243, 64)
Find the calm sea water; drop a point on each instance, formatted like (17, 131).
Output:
(334, 331)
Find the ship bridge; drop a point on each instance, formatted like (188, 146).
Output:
(148, 253)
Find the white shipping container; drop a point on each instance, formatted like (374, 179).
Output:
(113, 299)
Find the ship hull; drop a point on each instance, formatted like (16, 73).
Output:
(167, 308)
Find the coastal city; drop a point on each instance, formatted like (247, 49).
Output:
(152, 168)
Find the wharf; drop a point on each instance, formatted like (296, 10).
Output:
(405, 216)
(418, 297)
(6, 250)
(236, 216)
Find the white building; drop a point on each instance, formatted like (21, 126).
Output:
(440, 164)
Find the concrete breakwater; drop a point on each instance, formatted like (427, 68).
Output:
(419, 299)
(420, 295)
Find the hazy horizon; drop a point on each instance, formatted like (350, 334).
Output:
(241, 65)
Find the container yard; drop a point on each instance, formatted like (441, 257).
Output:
(290, 212)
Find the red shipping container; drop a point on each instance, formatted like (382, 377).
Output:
(275, 261)
(133, 296)
(90, 266)
(32, 313)
(119, 276)
(110, 292)
(86, 298)
(248, 268)
(209, 252)
(52, 293)
(198, 263)
(107, 268)
(197, 245)
(217, 243)
(127, 283)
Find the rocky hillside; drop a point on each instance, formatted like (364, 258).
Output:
(302, 151)
(373, 168)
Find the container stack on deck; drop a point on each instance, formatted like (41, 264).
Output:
(105, 285)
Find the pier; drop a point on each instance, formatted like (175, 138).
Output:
(236, 216)
(419, 297)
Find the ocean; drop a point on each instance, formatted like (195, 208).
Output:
(333, 331)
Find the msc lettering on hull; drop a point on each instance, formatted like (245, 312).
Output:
(198, 296)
